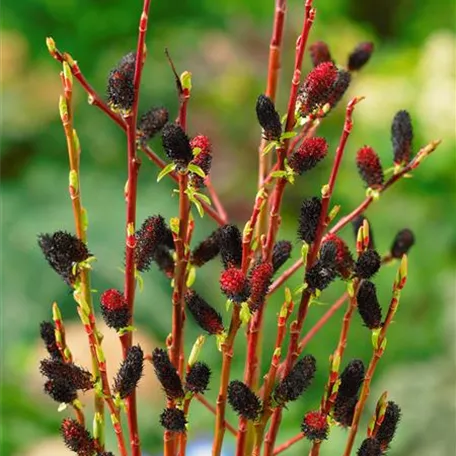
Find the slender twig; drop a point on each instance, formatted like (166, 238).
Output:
(378, 351)
(288, 443)
(216, 200)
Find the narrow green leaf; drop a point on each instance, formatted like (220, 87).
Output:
(170, 167)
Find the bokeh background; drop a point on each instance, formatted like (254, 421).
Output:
(225, 44)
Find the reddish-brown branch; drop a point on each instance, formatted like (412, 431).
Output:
(216, 200)
(288, 443)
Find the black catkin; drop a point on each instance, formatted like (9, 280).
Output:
(351, 378)
(130, 372)
(387, 429)
(268, 118)
(204, 314)
(297, 381)
(309, 219)
(198, 377)
(75, 376)
(63, 251)
(61, 391)
(177, 145)
(152, 122)
(47, 334)
(167, 375)
(77, 438)
(229, 239)
(402, 137)
(120, 90)
(360, 56)
(370, 447)
(368, 305)
(173, 419)
(315, 426)
(402, 243)
(281, 252)
(206, 250)
(368, 264)
(243, 401)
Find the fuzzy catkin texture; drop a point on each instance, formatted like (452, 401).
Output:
(360, 56)
(281, 253)
(368, 264)
(177, 145)
(114, 309)
(297, 381)
(369, 167)
(351, 378)
(235, 285)
(319, 53)
(344, 410)
(229, 239)
(201, 142)
(153, 232)
(204, 161)
(402, 243)
(173, 419)
(63, 251)
(152, 122)
(268, 118)
(320, 276)
(357, 223)
(260, 280)
(77, 438)
(120, 88)
(387, 429)
(402, 137)
(167, 375)
(164, 260)
(205, 315)
(368, 305)
(198, 377)
(61, 391)
(243, 401)
(308, 155)
(344, 262)
(206, 250)
(308, 219)
(76, 377)
(317, 88)
(47, 334)
(130, 372)
(315, 426)
(369, 447)
(339, 87)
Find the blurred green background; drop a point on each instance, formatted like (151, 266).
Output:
(225, 45)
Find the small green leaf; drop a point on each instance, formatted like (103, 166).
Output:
(186, 80)
(125, 330)
(169, 168)
(196, 170)
(174, 225)
(191, 276)
(245, 314)
(199, 207)
(279, 173)
(196, 151)
(268, 148)
(203, 197)
(288, 135)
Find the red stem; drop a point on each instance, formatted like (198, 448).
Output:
(288, 443)
(216, 200)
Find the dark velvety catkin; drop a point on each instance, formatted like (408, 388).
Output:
(57, 369)
(268, 118)
(205, 315)
(173, 419)
(402, 137)
(206, 250)
(351, 378)
(62, 251)
(114, 309)
(340, 86)
(360, 56)
(308, 155)
(320, 276)
(370, 447)
(387, 429)
(344, 410)
(280, 254)
(61, 391)
(130, 372)
(167, 375)
(344, 262)
(152, 122)
(368, 264)
(308, 219)
(120, 88)
(357, 223)
(315, 426)
(164, 260)
(297, 381)
(47, 333)
(243, 401)
(402, 243)
(229, 239)
(177, 145)
(153, 232)
(77, 438)
(198, 377)
(319, 53)
(369, 167)
(368, 305)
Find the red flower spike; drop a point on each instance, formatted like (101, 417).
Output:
(310, 152)
(203, 143)
(344, 259)
(260, 279)
(369, 167)
(235, 285)
(315, 426)
(319, 53)
(113, 299)
(77, 438)
(316, 89)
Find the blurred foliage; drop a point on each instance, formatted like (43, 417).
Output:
(225, 45)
